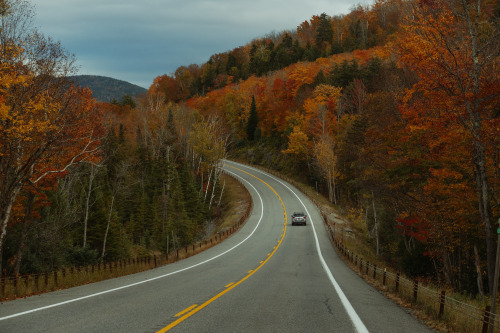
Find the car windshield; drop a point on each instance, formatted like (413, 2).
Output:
(298, 214)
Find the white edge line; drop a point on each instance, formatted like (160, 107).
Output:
(151, 279)
(356, 320)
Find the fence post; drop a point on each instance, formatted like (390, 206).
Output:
(361, 265)
(154, 255)
(367, 267)
(415, 290)
(385, 274)
(375, 271)
(441, 303)
(486, 319)
(397, 282)
(16, 278)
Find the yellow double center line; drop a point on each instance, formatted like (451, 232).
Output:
(183, 315)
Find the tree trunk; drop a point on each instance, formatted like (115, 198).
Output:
(27, 212)
(375, 227)
(87, 204)
(477, 263)
(484, 210)
(107, 227)
(334, 185)
(5, 216)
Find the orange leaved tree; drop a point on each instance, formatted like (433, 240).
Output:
(453, 45)
(46, 124)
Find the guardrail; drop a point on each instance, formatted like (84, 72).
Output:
(434, 302)
(32, 284)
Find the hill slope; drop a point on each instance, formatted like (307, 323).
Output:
(105, 89)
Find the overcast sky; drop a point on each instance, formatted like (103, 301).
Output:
(138, 40)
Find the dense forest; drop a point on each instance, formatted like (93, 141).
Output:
(83, 182)
(392, 109)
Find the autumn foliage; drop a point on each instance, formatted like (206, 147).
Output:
(407, 132)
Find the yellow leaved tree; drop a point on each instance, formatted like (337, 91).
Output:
(46, 124)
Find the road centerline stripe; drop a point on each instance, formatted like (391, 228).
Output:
(355, 319)
(250, 273)
(186, 310)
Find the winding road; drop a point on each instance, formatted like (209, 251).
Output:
(267, 277)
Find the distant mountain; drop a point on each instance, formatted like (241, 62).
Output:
(105, 89)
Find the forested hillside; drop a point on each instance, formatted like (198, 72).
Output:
(106, 89)
(391, 109)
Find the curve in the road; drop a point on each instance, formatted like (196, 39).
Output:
(195, 308)
(358, 323)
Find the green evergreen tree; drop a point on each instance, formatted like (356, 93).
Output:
(178, 221)
(320, 79)
(128, 100)
(194, 206)
(324, 33)
(253, 121)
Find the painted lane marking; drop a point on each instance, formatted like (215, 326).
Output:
(355, 319)
(186, 310)
(231, 286)
(147, 280)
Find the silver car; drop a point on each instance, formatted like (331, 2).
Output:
(298, 218)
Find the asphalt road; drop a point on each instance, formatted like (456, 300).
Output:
(267, 277)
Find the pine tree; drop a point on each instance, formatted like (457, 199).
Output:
(324, 33)
(253, 121)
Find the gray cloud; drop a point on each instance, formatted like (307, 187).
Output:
(136, 41)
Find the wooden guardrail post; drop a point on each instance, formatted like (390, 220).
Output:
(375, 271)
(397, 282)
(3, 285)
(415, 290)
(486, 319)
(442, 299)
